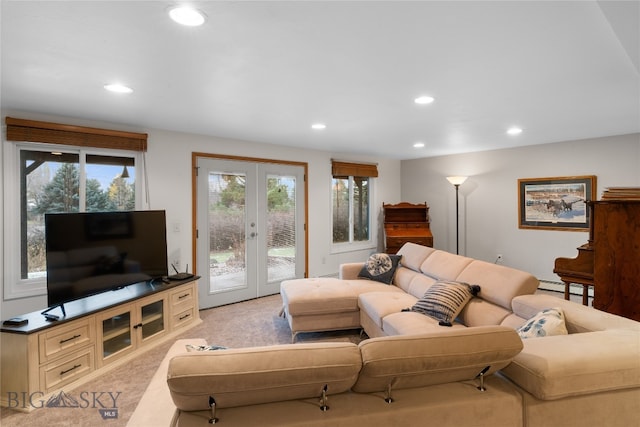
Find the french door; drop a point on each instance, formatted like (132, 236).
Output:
(250, 219)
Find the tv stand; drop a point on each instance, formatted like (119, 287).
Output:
(39, 358)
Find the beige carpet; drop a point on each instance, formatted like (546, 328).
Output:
(250, 323)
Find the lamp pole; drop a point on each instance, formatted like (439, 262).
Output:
(457, 222)
(457, 181)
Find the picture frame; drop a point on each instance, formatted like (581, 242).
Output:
(557, 203)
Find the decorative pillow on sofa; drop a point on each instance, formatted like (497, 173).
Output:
(546, 323)
(380, 267)
(444, 300)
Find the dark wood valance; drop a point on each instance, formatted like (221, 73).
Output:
(340, 169)
(56, 133)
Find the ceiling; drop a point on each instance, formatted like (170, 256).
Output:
(265, 71)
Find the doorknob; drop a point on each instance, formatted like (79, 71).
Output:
(253, 234)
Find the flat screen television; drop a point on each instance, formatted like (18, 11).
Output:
(90, 253)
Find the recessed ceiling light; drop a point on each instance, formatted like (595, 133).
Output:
(422, 100)
(318, 126)
(418, 145)
(187, 16)
(514, 131)
(118, 88)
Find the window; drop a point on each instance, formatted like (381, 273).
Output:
(56, 178)
(351, 204)
(53, 183)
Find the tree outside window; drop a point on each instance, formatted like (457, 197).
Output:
(52, 183)
(351, 206)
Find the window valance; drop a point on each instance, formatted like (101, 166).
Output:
(339, 168)
(55, 133)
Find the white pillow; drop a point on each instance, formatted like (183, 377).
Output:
(546, 323)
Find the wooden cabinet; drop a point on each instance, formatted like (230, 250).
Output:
(124, 329)
(98, 333)
(616, 257)
(406, 222)
(183, 304)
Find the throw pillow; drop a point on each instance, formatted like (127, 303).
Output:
(380, 267)
(444, 300)
(191, 347)
(546, 323)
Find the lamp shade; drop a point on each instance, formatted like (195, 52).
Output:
(456, 180)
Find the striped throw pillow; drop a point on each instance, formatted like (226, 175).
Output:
(444, 300)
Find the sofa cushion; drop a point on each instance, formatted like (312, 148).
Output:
(411, 323)
(445, 300)
(404, 277)
(577, 364)
(378, 305)
(479, 312)
(380, 267)
(248, 376)
(318, 296)
(443, 265)
(546, 323)
(413, 255)
(499, 284)
(444, 356)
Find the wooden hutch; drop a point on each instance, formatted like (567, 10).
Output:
(406, 222)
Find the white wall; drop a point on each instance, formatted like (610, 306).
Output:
(489, 197)
(169, 172)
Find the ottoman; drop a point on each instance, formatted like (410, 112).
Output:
(325, 304)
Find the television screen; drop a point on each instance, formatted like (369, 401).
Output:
(89, 253)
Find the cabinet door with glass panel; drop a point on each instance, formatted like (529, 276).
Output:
(126, 328)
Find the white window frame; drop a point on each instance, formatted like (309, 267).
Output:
(14, 286)
(351, 245)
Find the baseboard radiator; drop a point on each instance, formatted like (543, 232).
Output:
(574, 289)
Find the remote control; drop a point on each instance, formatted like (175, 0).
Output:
(16, 321)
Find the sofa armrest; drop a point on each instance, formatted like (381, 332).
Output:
(350, 270)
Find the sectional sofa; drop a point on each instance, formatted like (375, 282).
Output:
(413, 370)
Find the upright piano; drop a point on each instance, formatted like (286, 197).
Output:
(610, 261)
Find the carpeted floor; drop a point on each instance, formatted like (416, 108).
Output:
(250, 323)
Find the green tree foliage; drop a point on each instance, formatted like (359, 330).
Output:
(97, 200)
(62, 193)
(233, 193)
(227, 226)
(278, 196)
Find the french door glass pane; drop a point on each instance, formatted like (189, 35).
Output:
(281, 228)
(227, 218)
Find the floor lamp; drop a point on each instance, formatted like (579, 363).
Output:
(457, 181)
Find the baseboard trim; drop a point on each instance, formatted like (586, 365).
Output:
(574, 289)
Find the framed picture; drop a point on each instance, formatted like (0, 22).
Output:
(559, 203)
